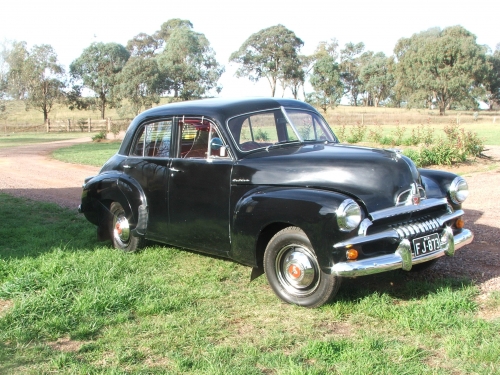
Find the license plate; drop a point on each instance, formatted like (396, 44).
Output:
(427, 244)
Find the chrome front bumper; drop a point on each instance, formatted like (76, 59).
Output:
(401, 258)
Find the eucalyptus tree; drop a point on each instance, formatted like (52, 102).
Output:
(34, 76)
(268, 53)
(294, 74)
(442, 66)
(376, 77)
(97, 69)
(350, 64)
(140, 83)
(183, 63)
(491, 83)
(326, 77)
(3, 77)
(146, 45)
(189, 65)
(45, 79)
(15, 59)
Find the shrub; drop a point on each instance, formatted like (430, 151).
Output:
(357, 134)
(261, 135)
(375, 135)
(99, 136)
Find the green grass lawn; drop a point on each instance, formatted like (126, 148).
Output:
(20, 139)
(71, 305)
(95, 153)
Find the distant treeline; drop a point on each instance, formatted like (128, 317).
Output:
(445, 69)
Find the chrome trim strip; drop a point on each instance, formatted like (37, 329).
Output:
(400, 210)
(447, 217)
(399, 259)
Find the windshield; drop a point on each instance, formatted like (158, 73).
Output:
(268, 128)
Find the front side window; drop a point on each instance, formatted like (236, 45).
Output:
(263, 129)
(153, 140)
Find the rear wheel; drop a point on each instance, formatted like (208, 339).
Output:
(293, 271)
(120, 230)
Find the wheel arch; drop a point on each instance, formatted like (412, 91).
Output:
(264, 212)
(102, 190)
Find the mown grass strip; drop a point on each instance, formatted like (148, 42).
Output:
(74, 305)
(95, 153)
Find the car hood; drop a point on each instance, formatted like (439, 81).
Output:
(374, 176)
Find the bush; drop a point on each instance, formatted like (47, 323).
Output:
(357, 134)
(99, 136)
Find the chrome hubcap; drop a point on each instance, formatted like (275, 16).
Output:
(121, 231)
(297, 270)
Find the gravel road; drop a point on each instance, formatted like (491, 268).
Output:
(28, 171)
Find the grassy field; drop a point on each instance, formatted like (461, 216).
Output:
(96, 153)
(19, 139)
(71, 305)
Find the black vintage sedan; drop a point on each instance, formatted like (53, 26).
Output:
(266, 183)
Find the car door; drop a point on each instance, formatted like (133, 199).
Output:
(199, 187)
(148, 163)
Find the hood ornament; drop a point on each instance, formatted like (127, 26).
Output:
(414, 195)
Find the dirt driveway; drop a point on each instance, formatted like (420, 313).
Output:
(28, 171)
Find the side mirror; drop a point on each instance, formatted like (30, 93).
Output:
(216, 144)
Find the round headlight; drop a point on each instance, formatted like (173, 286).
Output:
(348, 215)
(459, 190)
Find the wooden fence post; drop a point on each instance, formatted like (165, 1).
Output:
(89, 124)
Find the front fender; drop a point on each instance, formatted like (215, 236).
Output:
(109, 187)
(312, 210)
(437, 184)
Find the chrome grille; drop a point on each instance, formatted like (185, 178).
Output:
(418, 227)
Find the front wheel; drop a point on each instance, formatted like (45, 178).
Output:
(293, 271)
(120, 230)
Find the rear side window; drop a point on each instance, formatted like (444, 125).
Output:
(153, 140)
(200, 139)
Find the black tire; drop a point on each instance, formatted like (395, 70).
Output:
(424, 266)
(120, 230)
(293, 271)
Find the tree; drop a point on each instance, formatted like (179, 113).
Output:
(140, 83)
(492, 79)
(149, 45)
(268, 54)
(442, 66)
(185, 63)
(35, 76)
(143, 45)
(350, 66)
(376, 77)
(45, 79)
(97, 69)
(15, 59)
(325, 78)
(3, 78)
(294, 74)
(188, 64)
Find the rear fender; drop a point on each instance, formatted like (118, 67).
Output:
(101, 190)
(312, 210)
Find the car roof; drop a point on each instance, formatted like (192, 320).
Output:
(221, 108)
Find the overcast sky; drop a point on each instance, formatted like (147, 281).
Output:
(70, 26)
